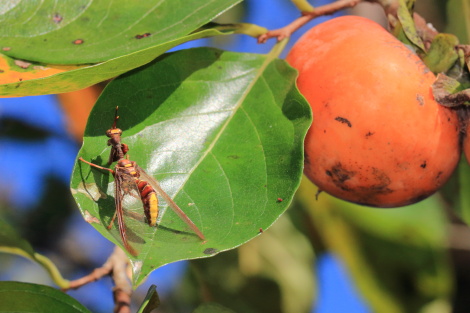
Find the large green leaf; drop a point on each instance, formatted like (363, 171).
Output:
(91, 31)
(222, 132)
(24, 297)
(85, 76)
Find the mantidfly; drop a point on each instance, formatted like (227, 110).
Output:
(129, 177)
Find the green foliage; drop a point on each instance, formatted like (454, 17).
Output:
(11, 242)
(23, 297)
(397, 257)
(92, 74)
(151, 301)
(407, 24)
(223, 134)
(79, 32)
(458, 22)
(212, 308)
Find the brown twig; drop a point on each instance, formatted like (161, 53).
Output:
(116, 266)
(306, 17)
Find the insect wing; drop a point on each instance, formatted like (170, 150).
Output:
(153, 182)
(124, 186)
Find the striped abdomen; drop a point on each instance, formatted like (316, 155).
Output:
(150, 201)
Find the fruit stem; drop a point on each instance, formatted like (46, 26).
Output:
(306, 17)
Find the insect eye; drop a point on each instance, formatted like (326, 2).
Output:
(113, 131)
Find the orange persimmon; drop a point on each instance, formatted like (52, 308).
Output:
(378, 137)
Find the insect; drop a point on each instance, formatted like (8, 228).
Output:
(129, 178)
(118, 149)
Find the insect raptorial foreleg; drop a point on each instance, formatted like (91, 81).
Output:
(97, 166)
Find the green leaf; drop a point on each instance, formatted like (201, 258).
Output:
(24, 297)
(397, 257)
(441, 55)
(151, 301)
(408, 24)
(222, 132)
(255, 278)
(462, 205)
(89, 75)
(458, 19)
(87, 31)
(11, 242)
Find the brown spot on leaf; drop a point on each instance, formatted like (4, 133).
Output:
(142, 36)
(57, 18)
(78, 41)
(210, 251)
(6, 48)
(22, 64)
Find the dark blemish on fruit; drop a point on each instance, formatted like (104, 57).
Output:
(340, 175)
(210, 251)
(369, 134)
(78, 41)
(420, 99)
(438, 176)
(343, 120)
(2, 71)
(57, 18)
(423, 165)
(382, 181)
(142, 36)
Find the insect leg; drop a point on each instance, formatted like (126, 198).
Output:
(97, 166)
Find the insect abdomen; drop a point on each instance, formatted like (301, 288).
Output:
(150, 201)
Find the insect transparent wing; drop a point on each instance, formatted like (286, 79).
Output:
(119, 192)
(153, 182)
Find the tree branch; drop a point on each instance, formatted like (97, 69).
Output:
(306, 17)
(116, 266)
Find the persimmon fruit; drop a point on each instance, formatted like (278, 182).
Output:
(378, 137)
